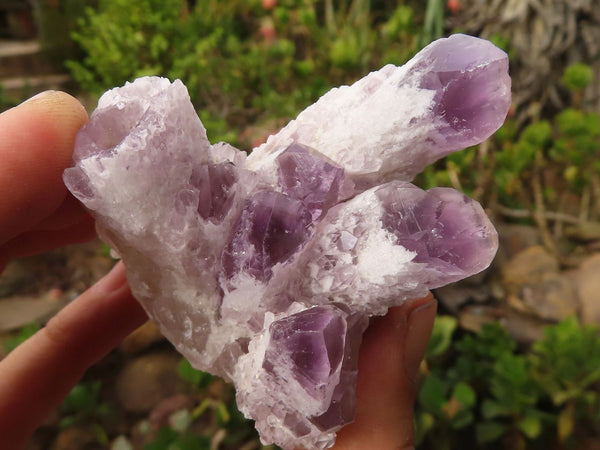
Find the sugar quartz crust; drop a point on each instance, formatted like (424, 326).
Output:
(264, 269)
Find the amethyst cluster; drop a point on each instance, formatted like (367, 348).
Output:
(264, 269)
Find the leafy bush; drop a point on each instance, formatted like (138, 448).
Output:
(242, 62)
(481, 390)
(84, 406)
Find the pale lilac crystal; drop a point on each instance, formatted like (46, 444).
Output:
(264, 269)
(469, 81)
(308, 176)
(430, 238)
(214, 183)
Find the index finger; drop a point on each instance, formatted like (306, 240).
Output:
(39, 373)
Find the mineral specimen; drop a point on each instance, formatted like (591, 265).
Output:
(264, 269)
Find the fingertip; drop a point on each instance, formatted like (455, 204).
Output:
(56, 115)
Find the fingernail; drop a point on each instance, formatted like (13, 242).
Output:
(39, 96)
(420, 324)
(113, 280)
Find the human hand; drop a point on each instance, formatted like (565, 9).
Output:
(391, 352)
(37, 214)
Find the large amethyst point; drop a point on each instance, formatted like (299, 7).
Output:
(264, 269)
(430, 238)
(396, 121)
(472, 88)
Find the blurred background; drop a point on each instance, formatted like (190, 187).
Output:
(514, 361)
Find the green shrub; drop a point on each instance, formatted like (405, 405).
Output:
(482, 390)
(577, 76)
(242, 64)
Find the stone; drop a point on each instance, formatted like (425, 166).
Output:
(528, 267)
(147, 380)
(525, 329)
(264, 269)
(588, 285)
(18, 311)
(534, 284)
(159, 416)
(553, 298)
(74, 438)
(141, 339)
(515, 238)
(455, 295)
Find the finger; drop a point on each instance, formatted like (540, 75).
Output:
(392, 349)
(70, 212)
(43, 369)
(36, 145)
(37, 241)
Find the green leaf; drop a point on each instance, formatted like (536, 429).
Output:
(83, 398)
(462, 420)
(195, 377)
(577, 76)
(432, 395)
(423, 425)
(464, 394)
(223, 415)
(164, 437)
(487, 432)
(491, 409)
(537, 133)
(566, 422)
(441, 336)
(531, 425)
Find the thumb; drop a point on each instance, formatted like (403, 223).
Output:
(392, 349)
(36, 144)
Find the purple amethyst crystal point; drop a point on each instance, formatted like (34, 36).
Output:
(214, 183)
(472, 88)
(264, 269)
(311, 358)
(310, 177)
(310, 346)
(429, 238)
(447, 231)
(270, 230)
(394, 122)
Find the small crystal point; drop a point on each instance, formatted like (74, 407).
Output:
(310, 177)
(271, 228)
(214, 183)
(313, 353)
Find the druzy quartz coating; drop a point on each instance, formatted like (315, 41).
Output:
(264, 269)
